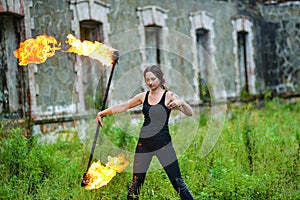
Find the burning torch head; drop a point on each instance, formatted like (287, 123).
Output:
(99, 175)
(95, 50)
(115, 56)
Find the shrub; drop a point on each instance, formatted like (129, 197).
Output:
(270, 135)
(31, 168)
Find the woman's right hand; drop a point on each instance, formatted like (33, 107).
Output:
(99, 118)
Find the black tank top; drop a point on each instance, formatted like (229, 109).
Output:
(156, 119)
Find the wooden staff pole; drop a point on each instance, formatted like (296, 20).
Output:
(83, 182)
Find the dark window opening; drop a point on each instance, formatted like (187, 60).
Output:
(202, 36)
(153, 41)
(93, 73)
(12, 76)
(242, 59)
(91, 30)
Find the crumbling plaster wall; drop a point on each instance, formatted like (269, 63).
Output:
(54, 94)
(285, 73)
(55, 79)
(275, 40)
(124, 18)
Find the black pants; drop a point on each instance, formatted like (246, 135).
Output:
(167, 158)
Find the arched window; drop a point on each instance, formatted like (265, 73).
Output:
(243, 53)
(153, 33)
(12, 76)
(90, 23)
(202, 31)
(153, 42)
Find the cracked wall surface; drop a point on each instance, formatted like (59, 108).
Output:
(52, 90)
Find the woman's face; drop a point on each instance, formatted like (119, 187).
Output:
(151, 80)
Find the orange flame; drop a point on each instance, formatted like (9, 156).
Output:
(36, 50)
(95, 50)
(44, 46)
(99, 175)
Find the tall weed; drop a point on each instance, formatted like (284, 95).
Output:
(256, 157)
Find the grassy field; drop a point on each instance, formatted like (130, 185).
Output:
(257, 156)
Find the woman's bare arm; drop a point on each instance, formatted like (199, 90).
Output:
(119, 108)
(174, 102)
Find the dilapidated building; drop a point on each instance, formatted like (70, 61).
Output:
(221, 49)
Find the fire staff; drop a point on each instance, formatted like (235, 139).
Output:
(154, 138)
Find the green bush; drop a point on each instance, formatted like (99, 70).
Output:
(31, 169)
(257, 156)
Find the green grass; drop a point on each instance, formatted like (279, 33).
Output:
(256, 157)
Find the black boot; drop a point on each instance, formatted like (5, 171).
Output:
(182, 189)
(134, 188)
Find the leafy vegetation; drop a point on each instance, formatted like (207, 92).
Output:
(256, 157)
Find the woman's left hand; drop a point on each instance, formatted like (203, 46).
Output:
(174, 104)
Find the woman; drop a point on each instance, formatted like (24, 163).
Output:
(154, 138)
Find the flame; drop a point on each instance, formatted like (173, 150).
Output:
(44, 46)
(36, 50)
(95, 50)
(99, 175)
